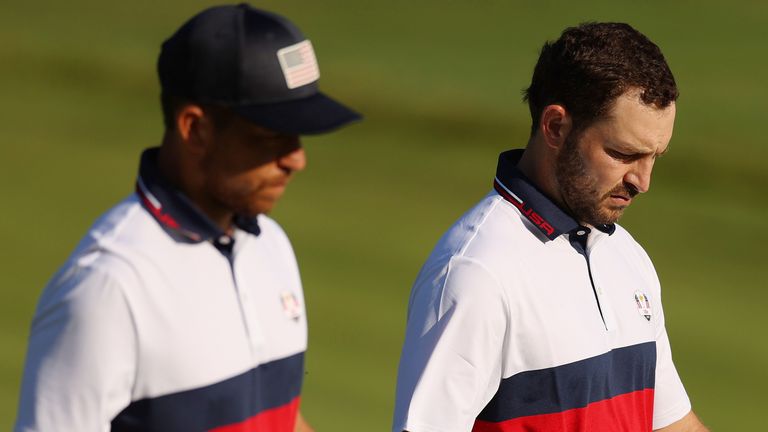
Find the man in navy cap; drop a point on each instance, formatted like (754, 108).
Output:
(182, 308)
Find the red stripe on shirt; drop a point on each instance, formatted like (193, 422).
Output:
(630, 412)
(278, 419)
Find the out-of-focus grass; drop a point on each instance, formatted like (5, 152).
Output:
(439, 82)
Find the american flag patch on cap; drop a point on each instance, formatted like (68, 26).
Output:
(299, 64)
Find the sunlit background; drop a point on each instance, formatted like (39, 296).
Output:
(440, 84)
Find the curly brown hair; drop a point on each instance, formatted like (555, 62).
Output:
(590, 65)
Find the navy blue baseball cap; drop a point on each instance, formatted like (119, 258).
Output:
(255, 62)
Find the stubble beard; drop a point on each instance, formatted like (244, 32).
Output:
(579, 191)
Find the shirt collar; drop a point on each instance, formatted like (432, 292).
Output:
(516, 188)
(174, 211)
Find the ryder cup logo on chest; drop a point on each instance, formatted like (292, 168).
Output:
(643, 304)
(291, 306)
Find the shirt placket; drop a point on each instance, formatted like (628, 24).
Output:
(601, 290)
(583, 240)
(246, 302)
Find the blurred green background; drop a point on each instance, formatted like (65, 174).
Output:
(440, 84)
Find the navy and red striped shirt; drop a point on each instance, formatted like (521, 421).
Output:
(523, 320)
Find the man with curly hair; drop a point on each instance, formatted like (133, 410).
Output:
(536, 311)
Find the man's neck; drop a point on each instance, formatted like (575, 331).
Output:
(185, 176)
(539, 168)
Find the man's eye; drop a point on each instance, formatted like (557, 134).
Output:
(620, 156)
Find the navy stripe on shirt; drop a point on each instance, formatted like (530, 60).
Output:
(234, 400)
(574, 385)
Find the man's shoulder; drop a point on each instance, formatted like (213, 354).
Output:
(107, 247)
(125, 223)
(491, 228)
(119, 222)
(488, 235)
(91, 271)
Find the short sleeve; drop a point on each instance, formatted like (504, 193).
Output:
(450, 365)
(80, 362)
(671, 401)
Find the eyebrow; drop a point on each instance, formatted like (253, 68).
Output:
(628, 148)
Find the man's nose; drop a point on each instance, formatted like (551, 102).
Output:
(640, 175)
(294, 160)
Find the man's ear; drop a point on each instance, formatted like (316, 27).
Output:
(194, 127)
(555, 125)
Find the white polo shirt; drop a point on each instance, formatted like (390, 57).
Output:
(159, 321)
(523, 320)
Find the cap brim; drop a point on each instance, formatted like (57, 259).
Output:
(315, 114)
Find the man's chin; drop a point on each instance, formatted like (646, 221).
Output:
(257, 208)
(262, 203)
(267, 206)
(611, 215)
(603, 216)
